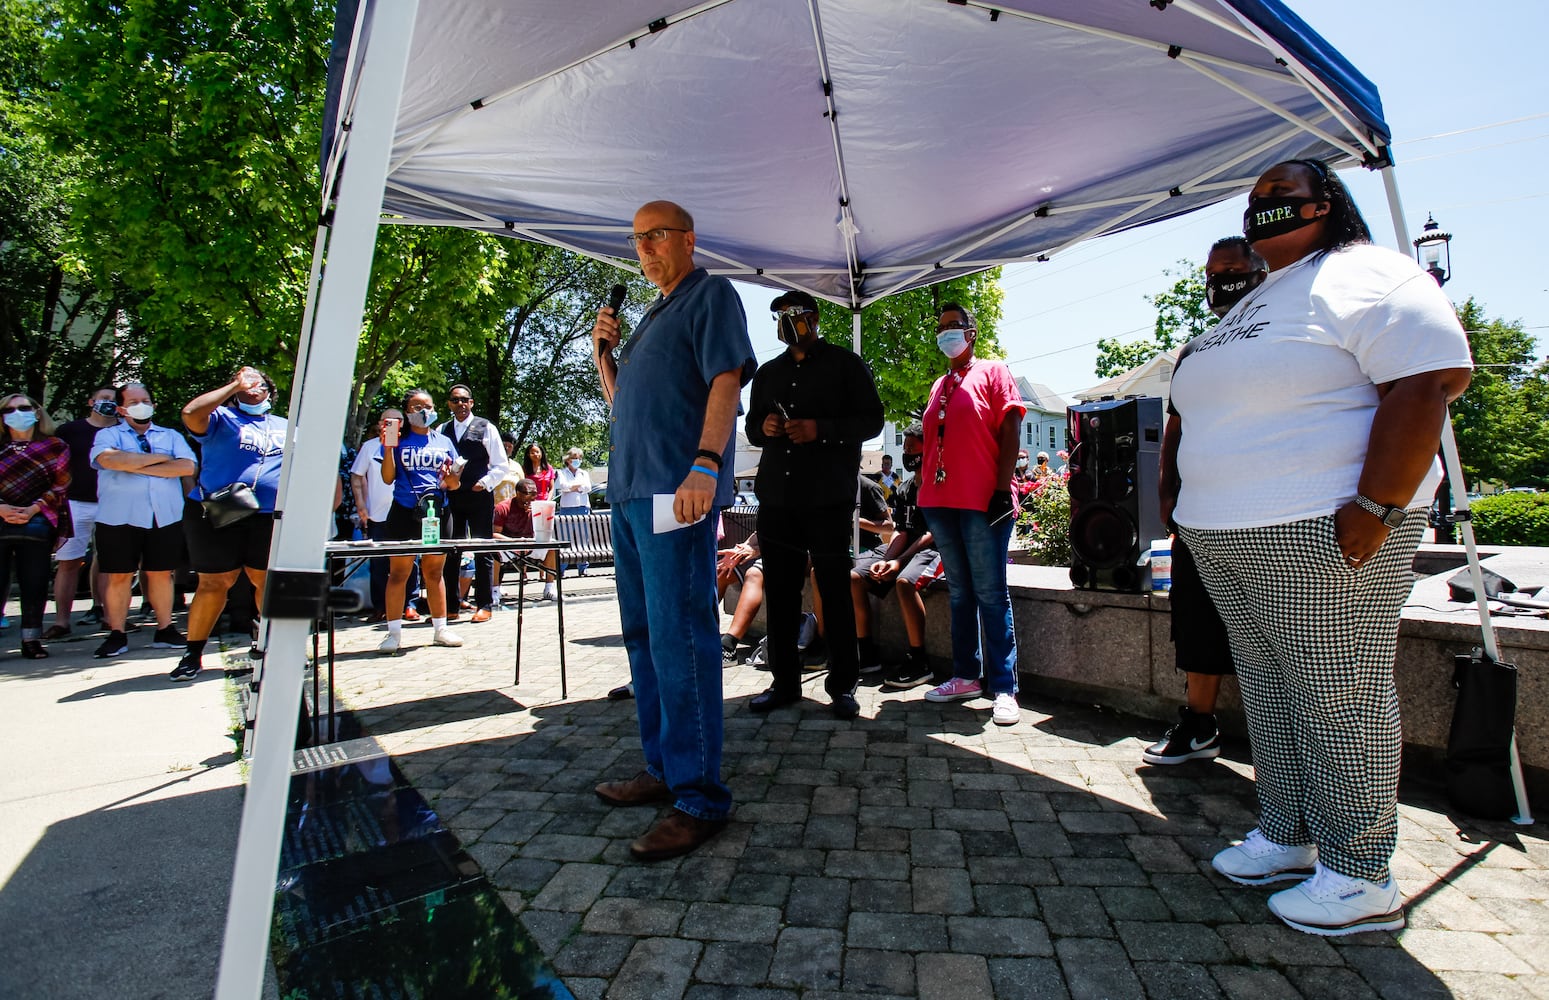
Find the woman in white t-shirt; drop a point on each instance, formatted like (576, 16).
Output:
(573, 490)
(1311, 418)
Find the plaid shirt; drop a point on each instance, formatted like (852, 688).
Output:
(37, 471)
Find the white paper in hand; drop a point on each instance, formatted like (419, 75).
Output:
(663, 519)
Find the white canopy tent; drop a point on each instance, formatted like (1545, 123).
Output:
(853, 148)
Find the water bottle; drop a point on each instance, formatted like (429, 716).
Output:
(430, 527)
(1161, 564)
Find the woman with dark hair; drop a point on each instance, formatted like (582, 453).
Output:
(1310, 418)
(34, 506)
(539, 470)
(418, 465)
(240, 442)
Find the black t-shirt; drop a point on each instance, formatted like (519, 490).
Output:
(873, 508)
(80, 435)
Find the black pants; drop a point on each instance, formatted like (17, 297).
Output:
(469, 514)
(28, 563)
(787, 537)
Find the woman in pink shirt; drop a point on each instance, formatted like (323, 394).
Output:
(972, 423)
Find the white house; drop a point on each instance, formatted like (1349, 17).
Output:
(1154, 378)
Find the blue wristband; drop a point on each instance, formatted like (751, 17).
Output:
(707, 471)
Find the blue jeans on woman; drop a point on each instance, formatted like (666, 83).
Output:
(974, 554)
(671, 626)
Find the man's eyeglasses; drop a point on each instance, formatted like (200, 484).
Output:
(456, 400)
(20, 408)
(954, 327)
(653, 235)
(792, 311)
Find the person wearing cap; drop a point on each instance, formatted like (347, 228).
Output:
(470, 508)
(810, 410)
(674, 389)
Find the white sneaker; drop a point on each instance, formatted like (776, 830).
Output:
(389, 646)
(1259, 860)
(1006, 712)
(548, 592)
(1333, 905)
(446, 637)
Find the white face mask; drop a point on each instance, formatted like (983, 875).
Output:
(140, 411)
(422, 418)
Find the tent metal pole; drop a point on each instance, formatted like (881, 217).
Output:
(1454, 470)
(298, 552)
(855, 345)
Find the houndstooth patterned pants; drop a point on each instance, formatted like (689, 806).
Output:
(1314, 641)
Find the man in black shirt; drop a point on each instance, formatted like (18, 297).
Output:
(102, 411)
(811, 409)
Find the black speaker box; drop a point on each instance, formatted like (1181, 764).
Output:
(1114, 512)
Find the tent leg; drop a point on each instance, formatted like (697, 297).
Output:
(855, 526)
(297, 555)
(1454, 471)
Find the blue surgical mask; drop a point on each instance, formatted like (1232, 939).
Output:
(422, 418)
(574, 463)
(254, 409)
(952, 342)
(21, 420)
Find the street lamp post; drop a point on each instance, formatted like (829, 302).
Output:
(1434, 252)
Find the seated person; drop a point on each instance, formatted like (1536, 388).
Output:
(740, 562)
(513, 519)
(876, 527)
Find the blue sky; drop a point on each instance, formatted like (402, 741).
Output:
(1466, 94)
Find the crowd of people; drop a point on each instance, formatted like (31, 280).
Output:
(135, 500)
(1290, 567)
(1298, 456)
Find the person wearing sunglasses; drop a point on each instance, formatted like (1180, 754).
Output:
(674, 389)
(34, 508)
(240, 442)
(811, 408)
(140, 515)
(470, 508)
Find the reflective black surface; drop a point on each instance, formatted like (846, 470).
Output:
(376, 899)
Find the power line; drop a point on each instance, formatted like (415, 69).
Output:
(1473, 128)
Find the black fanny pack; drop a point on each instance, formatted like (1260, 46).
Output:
(226, 507)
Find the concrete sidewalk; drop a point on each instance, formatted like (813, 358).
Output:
(917, 852)
(120, 797)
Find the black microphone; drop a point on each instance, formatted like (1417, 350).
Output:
(615, 300)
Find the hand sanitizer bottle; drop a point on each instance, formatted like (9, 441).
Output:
(430, 527)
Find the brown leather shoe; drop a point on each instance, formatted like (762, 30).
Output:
(481, 615)
(675, 834)
(640, 790)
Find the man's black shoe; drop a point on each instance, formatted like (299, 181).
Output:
(772, 699)
(914, 671)
(115, 643)
(845, 706)
(187, 668)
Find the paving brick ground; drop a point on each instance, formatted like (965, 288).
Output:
(918, 851)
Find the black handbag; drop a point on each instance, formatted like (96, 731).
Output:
(1478, 762)
(36, 529)
(226, 507)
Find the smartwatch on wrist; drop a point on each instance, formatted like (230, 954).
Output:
(1390, 516)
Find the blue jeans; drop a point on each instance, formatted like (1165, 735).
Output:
(572, 512)
(667, 607)
(974, 554)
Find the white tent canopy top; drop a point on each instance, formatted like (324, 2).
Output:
(853, 148)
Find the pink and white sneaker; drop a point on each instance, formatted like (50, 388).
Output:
(956, 689)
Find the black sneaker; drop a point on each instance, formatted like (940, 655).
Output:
(168, 638)
(913, 672)
(115, 643)
(1195, 737)
(729, 645)
(187, 668)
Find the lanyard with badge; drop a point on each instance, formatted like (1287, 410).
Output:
(953, 380)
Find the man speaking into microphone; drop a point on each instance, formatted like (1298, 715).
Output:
(674, 389)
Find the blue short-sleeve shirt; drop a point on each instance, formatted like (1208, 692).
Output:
(238, 446)
(417, 462)
(663, 387)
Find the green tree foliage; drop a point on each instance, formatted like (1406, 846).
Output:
(41, 297)
(1500, 422)
(1181, 315)
(1511, 519)
(196, 129)
(898, 336)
